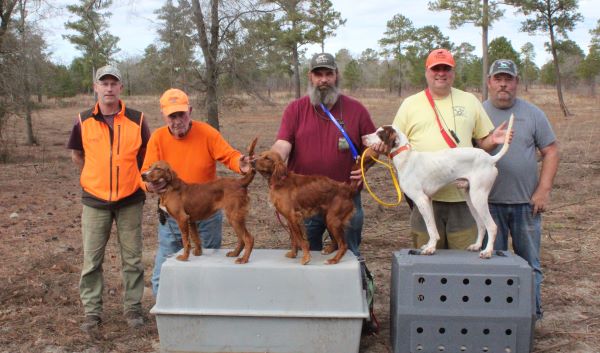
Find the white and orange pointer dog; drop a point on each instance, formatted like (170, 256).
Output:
(422, 174)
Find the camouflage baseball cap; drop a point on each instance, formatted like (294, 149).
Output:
(108, 70)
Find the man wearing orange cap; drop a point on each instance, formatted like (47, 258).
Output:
(443, 117)
(192, 149)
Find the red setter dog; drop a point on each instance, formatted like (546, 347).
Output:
(189, 203)
(297, 197)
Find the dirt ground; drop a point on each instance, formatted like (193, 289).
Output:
(41, 255)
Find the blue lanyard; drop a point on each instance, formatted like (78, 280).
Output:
(337, 124)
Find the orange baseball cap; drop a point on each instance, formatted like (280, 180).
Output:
(438, 57)
(174, 100)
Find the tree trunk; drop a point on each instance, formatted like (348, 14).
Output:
(561, 101)
(295, 60)
(484, 49)
(399, 78)
(26, 91)
(212, 99)
(210, 52)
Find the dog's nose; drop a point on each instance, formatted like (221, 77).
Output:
(253, 163)
(145, 175)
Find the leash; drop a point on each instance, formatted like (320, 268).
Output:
(447, 138)
(394, 179)
(355, 154)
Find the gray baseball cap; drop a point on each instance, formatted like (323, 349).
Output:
(108, 70)
(322, 60)
(503, 66)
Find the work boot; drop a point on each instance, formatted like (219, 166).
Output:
(134, 319)
(90, 323)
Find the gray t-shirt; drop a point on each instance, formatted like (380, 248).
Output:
(518, 169)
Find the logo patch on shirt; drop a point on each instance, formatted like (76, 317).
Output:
(459, 111)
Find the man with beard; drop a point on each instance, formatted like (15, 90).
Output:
(313, 145)
(438, 118)
(192, 149)
(519, 197)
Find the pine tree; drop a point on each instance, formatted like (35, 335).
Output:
(482, 13)
(556, 18)
(95, 43)
(324, 19)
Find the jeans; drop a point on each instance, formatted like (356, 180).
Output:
(169, 241)
(315, 227)
(96, 227)
(526, 232)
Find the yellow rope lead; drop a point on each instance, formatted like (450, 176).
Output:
(392, 172)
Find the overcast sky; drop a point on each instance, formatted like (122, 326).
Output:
(134, 22)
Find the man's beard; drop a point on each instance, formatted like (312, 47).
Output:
(326, 95)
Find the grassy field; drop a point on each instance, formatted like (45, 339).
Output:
(41, 251)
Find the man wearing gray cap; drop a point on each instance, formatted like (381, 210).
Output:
(312, 144)
(108, 143)
(519, 196)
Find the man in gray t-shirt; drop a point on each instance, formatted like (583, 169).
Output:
(519, 195)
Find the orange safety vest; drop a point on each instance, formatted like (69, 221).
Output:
(110, 171)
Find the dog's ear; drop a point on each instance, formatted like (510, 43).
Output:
(171, 178)
(389, 136)
(279, 173)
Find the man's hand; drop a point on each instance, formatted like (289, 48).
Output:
(356, 175)
(157, 187)
(496, 138)
(246, 163)
(539, 201)
(500, 132)
(381, 148)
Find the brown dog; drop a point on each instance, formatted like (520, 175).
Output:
(297, 197)
(189, 203)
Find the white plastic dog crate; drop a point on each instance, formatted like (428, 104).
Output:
(455, 302)
(271, 304)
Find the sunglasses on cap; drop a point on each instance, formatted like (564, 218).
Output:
(438, 68)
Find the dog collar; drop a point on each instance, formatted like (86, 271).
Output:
(398, 151)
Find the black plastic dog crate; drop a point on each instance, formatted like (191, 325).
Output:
(455, 302)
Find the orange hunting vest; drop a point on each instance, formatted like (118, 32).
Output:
(110, 171)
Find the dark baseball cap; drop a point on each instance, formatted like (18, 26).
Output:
(322, 60)
(503, 66)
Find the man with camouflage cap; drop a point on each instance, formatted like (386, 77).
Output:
(108, 144)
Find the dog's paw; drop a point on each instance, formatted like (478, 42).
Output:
(328, 249)
(182, 257)
(331, 261)
(427, 250)
(474, 247)
(486, 254)
(305, 259)
(241, 260)
(232, 254)
(291, 254)
(197, 251)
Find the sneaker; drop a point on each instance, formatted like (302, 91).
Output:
(134, 319)
(90, 323)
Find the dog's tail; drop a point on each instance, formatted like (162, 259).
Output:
(506, 144)
(248, 177)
